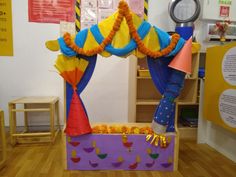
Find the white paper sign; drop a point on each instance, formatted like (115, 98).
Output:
(89, 15)
(106, 4)
(227, 107)
(89, 4)
(229, 66)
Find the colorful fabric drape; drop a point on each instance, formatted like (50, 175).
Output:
(80, 87)
(169, 82)
(123, 34)
(72, 70)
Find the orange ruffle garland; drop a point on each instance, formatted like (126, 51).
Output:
(123, 12)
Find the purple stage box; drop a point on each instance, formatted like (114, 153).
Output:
(118, 152)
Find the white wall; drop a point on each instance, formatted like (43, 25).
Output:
(158, 15)
(106, 95)
(30, 72)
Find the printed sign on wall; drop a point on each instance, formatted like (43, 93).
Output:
(6, 44)
(220, 86)
(94, 11)
(224, 11)
(51, 11)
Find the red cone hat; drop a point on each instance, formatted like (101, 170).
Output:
(77, 122)
(183, 60)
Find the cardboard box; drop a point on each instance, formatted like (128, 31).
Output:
(114, 152)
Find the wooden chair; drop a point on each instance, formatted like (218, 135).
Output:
(50, 104)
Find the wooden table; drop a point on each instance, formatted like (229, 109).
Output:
(33, 104)
(3, 140)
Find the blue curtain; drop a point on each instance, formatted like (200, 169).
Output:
(168, 81)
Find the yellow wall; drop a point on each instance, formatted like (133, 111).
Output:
(216, 84)
(6, 48)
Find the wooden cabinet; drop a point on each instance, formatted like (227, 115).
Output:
(148, 97)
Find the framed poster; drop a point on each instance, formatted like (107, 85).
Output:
(6, 41)
(224, 11)
(220, 86)
(51, 11)
(93, 11)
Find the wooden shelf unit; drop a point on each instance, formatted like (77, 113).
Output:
(148, 97)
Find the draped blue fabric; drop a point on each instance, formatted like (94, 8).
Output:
(167, 80)
(159, 69)
(79, 40)
(165, 112)
(81, 36)
(142, 31)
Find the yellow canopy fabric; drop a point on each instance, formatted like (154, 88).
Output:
(64, 63)
(122, 37)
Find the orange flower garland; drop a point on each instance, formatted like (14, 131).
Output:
(104, 129)
(123, 12)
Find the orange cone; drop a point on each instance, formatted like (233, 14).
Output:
(183, 60)
(77, 122)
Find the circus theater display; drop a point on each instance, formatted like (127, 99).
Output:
(126, 146)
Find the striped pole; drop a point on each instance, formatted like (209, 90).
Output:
(77, 14)
(146, 10)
